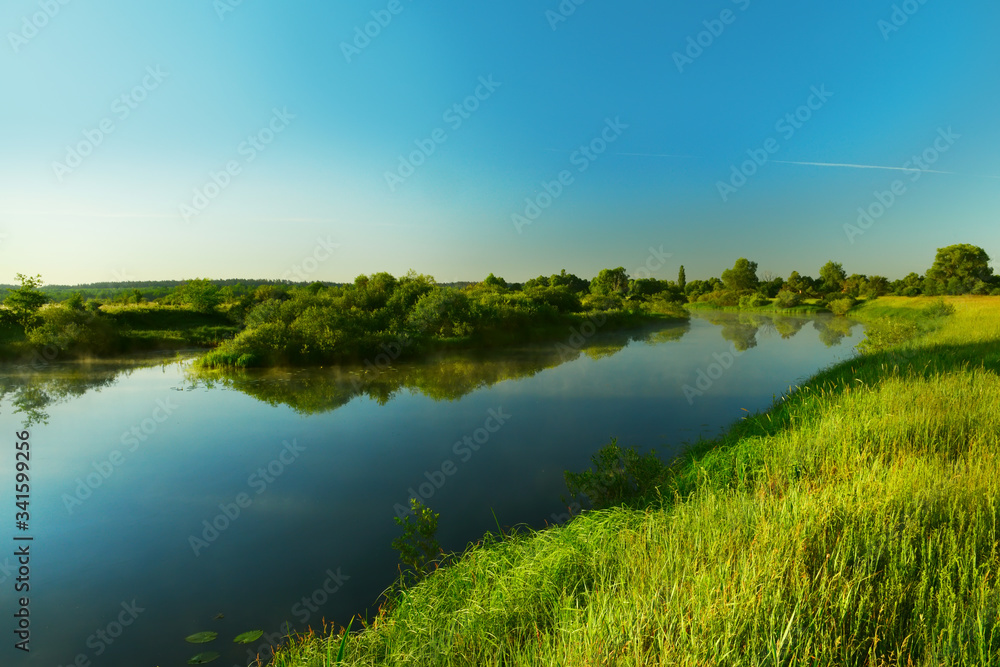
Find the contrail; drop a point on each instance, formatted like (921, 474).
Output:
(862, 166)
(840, 165)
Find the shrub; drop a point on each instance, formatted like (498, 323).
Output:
(788, 299)
(722, 297)
(754, 300)
(841, 306)
(73, 331)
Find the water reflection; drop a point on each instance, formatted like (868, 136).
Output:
(31, 389)
(441, 377)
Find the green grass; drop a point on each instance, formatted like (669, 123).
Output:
(854, 523)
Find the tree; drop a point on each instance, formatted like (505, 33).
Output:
(796, 283)
(957, 268)
(25, 301)
(495, 283)
(570, 281)
(833, 277)
(876, 286)
(610, 281)
(201, 294)
(743, 275)
(681, 278)
(854, 284)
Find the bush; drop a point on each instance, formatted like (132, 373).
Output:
(75, 332)
(755, 300)
(722, 297)
(788, 299)
(598, 302)
(841, 306)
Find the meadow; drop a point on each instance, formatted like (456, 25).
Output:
(855, 522)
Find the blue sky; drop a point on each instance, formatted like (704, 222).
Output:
(190, 90)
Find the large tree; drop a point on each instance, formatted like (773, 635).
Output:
(25, 301)
(959, 269)
(610, 281)
(833, 276)
(200, 294)
(743, 275)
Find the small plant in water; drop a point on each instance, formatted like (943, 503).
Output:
(618, 476)
(418, 547)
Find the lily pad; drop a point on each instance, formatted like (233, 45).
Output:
(202, 658)
(249, 637)
(201, 637)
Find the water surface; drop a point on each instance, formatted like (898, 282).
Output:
(131, 460)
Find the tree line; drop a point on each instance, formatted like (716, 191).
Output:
(277, 323)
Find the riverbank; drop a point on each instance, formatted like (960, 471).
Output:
(114, 332)
(853, 523)
(274, 346)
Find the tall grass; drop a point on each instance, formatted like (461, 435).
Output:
(854, 523)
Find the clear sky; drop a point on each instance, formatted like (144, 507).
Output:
(116, 115)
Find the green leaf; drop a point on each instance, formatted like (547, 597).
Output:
(249, 637)
(201, 637)
(202, 658)
(343, 642)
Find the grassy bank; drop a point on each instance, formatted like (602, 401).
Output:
(807, 307)
(854, 523)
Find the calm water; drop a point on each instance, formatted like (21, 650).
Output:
(129, 462)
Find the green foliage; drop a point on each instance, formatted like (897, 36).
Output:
(841, 305)
(494, 282)
(833, 277)
(571, 282)
(681, 278)
(619, 476)
(959, 269)
(25, 301)
(418, 547)
(442, 312)
(743, 276)
(200, 294)
(725, 298)
(610, 282)
(788, 299)
(854, 523)
(755, 300)
(74, 332)
(75, 301)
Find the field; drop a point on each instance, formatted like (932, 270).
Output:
(854, 523)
